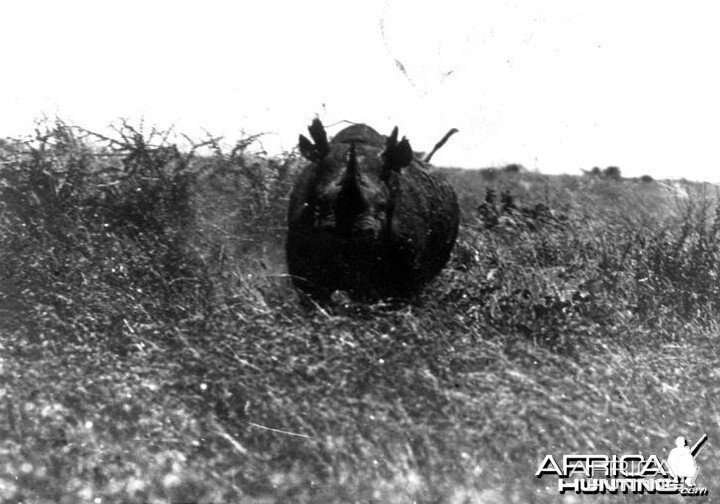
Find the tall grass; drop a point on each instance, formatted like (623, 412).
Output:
(153, 350)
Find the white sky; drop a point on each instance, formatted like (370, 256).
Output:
(554, 85)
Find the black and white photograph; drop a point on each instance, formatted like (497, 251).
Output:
(392, 251)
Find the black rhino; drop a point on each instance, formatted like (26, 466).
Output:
(366, 217)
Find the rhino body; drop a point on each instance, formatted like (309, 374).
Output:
(367, 218)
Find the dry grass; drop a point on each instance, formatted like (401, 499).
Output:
(152, 350)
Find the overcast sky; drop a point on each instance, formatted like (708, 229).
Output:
(554, 85)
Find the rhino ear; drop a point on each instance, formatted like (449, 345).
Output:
(396, 154)
(319, 136)
(307, 149)
(403, 153)
(392, 139)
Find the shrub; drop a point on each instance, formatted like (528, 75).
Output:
(612, 173)
(513, 168)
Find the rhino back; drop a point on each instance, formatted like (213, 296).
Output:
(360, 133)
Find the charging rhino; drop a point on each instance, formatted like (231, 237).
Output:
(366, 217)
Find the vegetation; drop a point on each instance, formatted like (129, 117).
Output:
(611, 173)
(151, 349)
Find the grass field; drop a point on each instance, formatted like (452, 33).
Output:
(152, 350)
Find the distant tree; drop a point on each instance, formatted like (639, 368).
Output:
(646, 178)
(612, 173)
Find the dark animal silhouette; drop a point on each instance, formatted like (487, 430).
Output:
(366, 217)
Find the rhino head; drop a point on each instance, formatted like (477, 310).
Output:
(352, 191)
